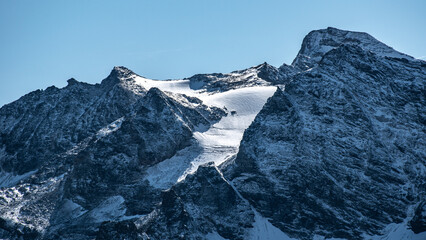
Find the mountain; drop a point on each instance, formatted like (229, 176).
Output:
(335, 134)
(332, 146)
(261, 75)
(317, 43)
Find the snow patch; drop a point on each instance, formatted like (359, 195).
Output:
(222, 140)
(317, 237)
(399, 231)
(264, 230)
(112, 127)
(72, 209)
(111, 209)
(218, 143)
(9, 179)
(166, 173)
(175, 86)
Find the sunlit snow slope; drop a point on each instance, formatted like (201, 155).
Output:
(219, 142)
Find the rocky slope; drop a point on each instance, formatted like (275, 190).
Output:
(261, 75)
(317, 43)
(47, 122)
(74, 189)
(338, 151)
(341, 151)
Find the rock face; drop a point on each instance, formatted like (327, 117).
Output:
(202, 204)
(341, 151)
(319, 42)
(418, 222)
(337, 152)
(42, 124)
(97, 178)
(261, 75)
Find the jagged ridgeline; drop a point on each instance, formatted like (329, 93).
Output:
(332, 146)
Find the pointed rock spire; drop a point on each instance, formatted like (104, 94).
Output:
(117, 75)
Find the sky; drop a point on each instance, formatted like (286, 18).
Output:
(44, 43)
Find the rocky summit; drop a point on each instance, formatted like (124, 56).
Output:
(332, 146)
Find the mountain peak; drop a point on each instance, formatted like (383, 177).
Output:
(319, 42)
(118, 74)
(72, 81)
(122, 72)
(264, 66)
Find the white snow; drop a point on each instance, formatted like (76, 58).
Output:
(166, 173)
(264, 230)
(399, 231)
(219, 142)
(9, 179)
(175, 86)
(316, 48)
(72, 209)
(222, 140)
(112, 127)
(392, 232)
(214, 236)
(16, 200)
(111, 209)
(317, 237)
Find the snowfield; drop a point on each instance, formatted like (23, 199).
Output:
(218, 143)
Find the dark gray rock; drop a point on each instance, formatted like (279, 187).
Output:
(42, 124)
(319, 42)
(339, 152)
(201, 204)
(418, 222)
(261, 75)
(98, 179)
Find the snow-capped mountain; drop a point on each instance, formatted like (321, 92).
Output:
(333, 135)
(332, 146)
(317, 43)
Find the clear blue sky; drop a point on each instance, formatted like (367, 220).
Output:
(44, 43)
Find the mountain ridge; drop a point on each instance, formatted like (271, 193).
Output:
(331, 146)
